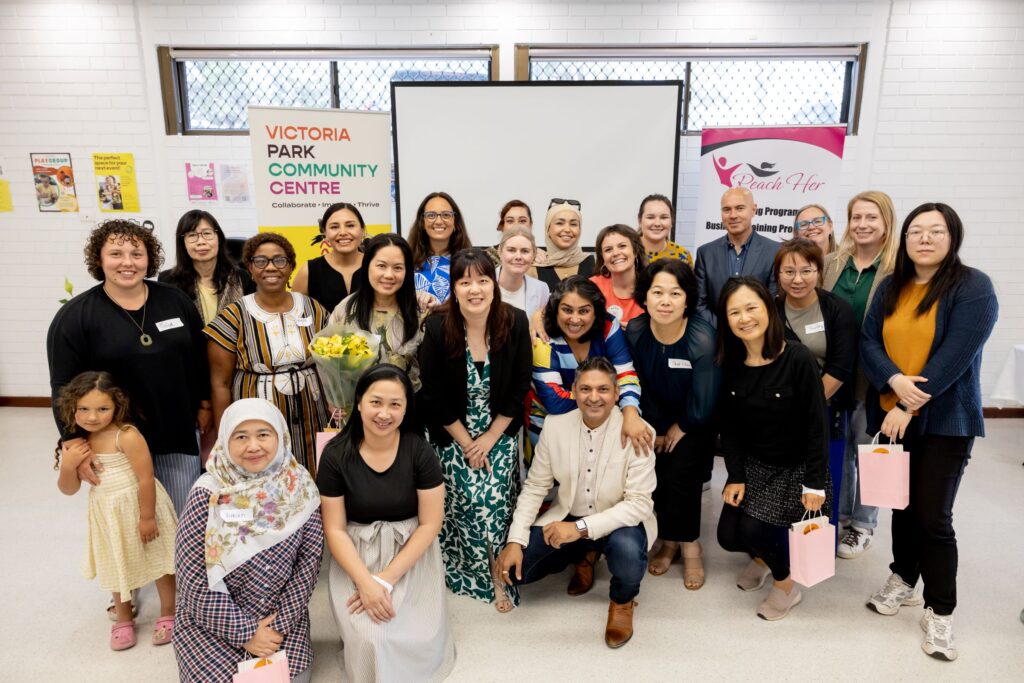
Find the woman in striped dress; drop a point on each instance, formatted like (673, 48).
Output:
(258, 346)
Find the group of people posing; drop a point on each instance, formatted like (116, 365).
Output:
(191, 405)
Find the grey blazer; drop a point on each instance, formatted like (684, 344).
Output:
(712, 270)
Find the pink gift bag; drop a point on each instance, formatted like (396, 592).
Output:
(330, 431)
(884, 472)
(273, 669)
(812, 551)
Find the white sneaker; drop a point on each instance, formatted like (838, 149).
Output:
(893, 595)
(938, 635)
(854, 542)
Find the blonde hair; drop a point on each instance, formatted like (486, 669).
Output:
(828, 217)
(517, 231)
(891, 242)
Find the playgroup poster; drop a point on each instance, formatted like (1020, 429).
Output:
(115, 182)
(201, 180)
(784, 168)
(304, 160)
(54, 181)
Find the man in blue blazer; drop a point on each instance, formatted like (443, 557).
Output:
(740, 251)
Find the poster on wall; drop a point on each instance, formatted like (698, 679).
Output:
(54, 180)
(201, 181)
(233, 182)
(6, 204)
(304, 160)
(115, 182)
(784, 169)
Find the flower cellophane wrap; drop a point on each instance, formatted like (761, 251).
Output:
(342, 352)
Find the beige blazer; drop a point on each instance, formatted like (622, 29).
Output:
(625, 481)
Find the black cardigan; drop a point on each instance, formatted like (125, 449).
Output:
(841, 337)
(442, 400)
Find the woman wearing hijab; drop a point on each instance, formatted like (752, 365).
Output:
(562, 228)
(248, 551)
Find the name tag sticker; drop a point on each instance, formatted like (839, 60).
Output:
(169, 324)
(304, 322)
(236, 514)
(815, 327)
(679, 364)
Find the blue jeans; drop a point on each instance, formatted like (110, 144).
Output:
(625, 548)
(861, 516)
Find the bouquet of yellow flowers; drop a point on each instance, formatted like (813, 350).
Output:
(342, 353)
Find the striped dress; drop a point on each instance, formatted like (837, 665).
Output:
(554, 369)
(273, 362)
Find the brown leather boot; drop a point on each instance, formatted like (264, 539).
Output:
(620, 624)
(583, 578)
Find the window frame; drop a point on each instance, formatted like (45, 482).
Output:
(171, 61)
(857, 53)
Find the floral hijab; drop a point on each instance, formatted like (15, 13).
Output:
(252, 511)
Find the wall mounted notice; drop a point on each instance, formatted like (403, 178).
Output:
(115, 182)
(233, 182)
(6, 205)
(784, 168)
(304, 160)
(54, 180)
(201, 180)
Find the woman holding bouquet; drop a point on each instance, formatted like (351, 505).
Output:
(258, 347)
(475, 361)
(384, 303)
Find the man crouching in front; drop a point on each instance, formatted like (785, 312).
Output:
(603, 504)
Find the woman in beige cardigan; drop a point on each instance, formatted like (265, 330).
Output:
(865, 257)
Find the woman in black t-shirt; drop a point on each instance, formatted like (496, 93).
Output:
(382, 495)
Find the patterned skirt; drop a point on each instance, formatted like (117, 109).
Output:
(773, 493)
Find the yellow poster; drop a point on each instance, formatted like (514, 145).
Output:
(115, 182)
(6, 205)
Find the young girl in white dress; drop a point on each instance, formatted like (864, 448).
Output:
(131, 518)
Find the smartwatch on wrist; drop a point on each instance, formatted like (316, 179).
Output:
(899, 404)
(581, 526)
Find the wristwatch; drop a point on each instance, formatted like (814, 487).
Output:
(899, 404)
(581, 526)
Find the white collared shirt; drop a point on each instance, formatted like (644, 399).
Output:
(591, 443)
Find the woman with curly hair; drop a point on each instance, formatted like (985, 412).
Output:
(259, 346)
(148, 336)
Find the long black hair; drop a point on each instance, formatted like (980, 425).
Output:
(730, 348)
(183, 275)
(351, 437)
(360, 306)
(420, 243)
(499, 317)
(950, 271)
(585, 288)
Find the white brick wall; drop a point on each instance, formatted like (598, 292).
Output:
(941, 117)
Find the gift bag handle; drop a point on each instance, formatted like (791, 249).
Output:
(874, 439)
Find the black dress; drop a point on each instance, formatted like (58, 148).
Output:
(549, 276)
(326, 285)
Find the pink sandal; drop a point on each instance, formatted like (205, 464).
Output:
(163, 632)
(122, 635)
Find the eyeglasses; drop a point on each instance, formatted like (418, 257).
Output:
(570, 202)
(936, 235)
(816, 222)
(431, 216)
(805, 273)
(261, 262)
(205, 235)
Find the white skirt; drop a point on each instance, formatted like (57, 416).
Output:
(414, 646)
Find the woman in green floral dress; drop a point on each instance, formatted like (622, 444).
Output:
(475, 360)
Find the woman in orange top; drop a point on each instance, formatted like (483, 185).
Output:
(620, 260)
(921, 345)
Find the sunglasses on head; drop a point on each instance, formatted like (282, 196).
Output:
(570, 202)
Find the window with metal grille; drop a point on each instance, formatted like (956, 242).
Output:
(725, 86)
(209, 91)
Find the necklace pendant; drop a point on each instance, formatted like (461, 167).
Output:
(146, 339)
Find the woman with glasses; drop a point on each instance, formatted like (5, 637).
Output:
(333, 276)
(921, 345)
(656, 219)
(202, 268)
(439, 232)
(864, 258)
(258, 347)
(814, 223)
(562, 228)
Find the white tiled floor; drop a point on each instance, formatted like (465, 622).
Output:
(54, 627)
